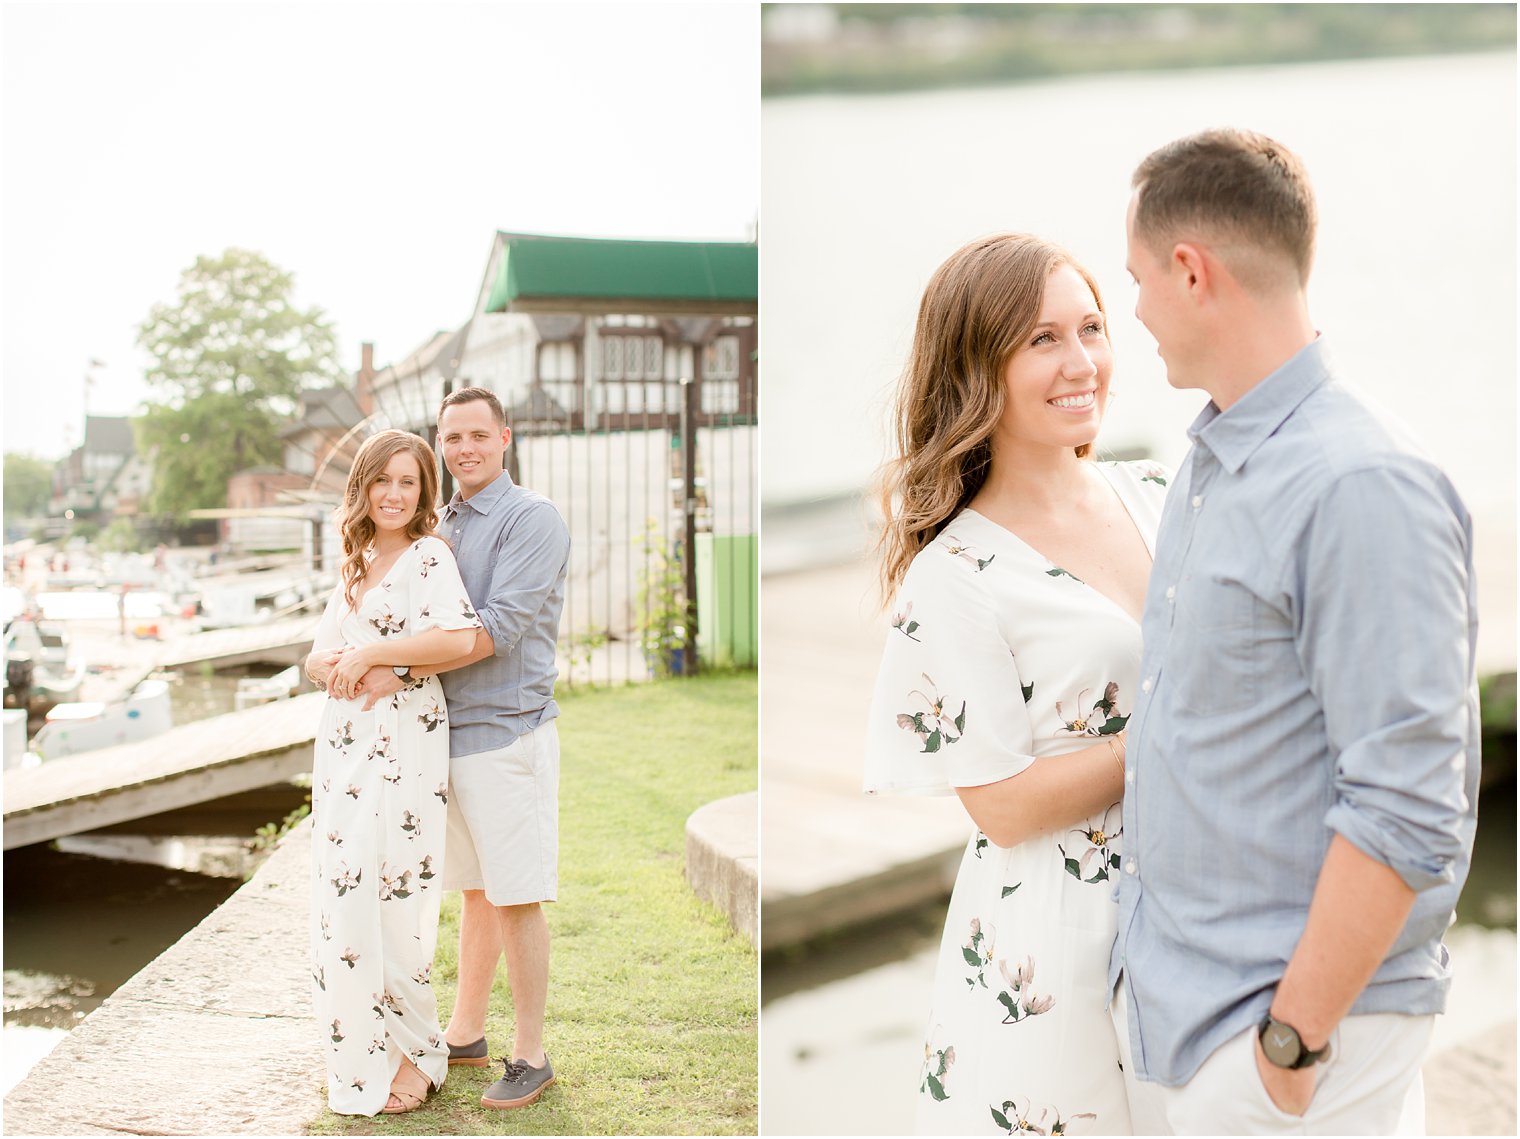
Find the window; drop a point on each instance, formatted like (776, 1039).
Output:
(720, 376)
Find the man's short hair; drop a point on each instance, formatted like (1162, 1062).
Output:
(1240, 191)
(469, 395)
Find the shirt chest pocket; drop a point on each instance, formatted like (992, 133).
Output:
(1216, 654)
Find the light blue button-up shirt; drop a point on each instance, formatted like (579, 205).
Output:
(1307, 671)
(513, 550)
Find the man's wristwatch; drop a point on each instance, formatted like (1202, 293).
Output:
(403, 671)
(1283, 1047)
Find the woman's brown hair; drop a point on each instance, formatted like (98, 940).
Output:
(978, 309)
(357, 527)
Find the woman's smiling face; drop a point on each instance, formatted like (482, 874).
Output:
(1056, 381)
(394, 495)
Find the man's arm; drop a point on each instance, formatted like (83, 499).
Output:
(528, 567)
(1359, 907)
(1384, 639)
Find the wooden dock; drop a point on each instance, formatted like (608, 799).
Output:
(189, 764)
(282, 643)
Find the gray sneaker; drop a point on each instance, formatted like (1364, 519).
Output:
(471, 1055)
(520, 1086)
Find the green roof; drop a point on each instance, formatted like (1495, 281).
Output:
(604, 269)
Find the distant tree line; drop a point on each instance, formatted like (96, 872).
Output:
(894, 47)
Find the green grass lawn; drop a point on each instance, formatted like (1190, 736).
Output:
(652, 1015)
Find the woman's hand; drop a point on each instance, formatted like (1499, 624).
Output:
(319, 666)
(344, 680)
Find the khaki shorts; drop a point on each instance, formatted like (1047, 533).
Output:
(503, 829)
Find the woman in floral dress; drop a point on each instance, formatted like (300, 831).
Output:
(1017, 566)
(380, 784)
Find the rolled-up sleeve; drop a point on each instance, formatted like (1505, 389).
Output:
(1385, 636)
(529, 565)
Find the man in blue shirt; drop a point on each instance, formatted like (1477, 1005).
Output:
(513, 550)
(1301, 791)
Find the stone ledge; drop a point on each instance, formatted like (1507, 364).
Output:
(722, 859)
(214, 1036)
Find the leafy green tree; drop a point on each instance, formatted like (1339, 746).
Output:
(231, 355)
(28, 485)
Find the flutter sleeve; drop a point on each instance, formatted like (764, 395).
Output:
(438, 597)
(949, 707)
(329, 636)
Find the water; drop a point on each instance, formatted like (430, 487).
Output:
(54, 976)
(1413, 162)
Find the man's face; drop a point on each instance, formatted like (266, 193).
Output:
(473, 443)
(1159, 298)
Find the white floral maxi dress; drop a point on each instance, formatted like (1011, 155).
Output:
(379, 796)
(995, 657)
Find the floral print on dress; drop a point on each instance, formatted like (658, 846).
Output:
(387, 624)
(1019, 1000)
(1102, 719)
(957, 549)
(932, 725)
(1099, 841)
(1014, 1118)
(903, 622)
(978, 954)
(936, 1068)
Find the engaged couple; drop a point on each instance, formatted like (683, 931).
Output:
(1217, 728)
(437, 764)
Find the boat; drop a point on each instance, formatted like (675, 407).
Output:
(87, 726)
(55, 677)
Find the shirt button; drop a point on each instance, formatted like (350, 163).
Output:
(1129, 777)
(1145, 685)
(1197, 501)
(1171, 593)
(1129, 867)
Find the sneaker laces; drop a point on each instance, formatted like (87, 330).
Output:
(516, 1069)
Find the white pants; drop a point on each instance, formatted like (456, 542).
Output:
(1371, 1084)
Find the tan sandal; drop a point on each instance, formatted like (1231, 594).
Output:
(409, 1099)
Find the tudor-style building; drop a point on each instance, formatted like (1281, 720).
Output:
(587, 342)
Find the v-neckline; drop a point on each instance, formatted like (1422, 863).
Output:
(1146, 541)
(363, 597)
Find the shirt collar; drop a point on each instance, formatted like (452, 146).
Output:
(483, 500)
(1235, 434)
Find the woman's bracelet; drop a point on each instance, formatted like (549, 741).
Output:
(1113, 749)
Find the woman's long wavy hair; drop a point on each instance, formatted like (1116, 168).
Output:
(978, 309)
(357, 527)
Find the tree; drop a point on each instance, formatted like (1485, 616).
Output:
(28, 485)
(231, 356)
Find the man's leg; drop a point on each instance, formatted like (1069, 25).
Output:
(479, 951)
(525, 934)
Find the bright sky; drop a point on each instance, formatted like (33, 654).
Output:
(371, 149)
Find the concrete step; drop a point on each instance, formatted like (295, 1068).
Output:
(722, 859)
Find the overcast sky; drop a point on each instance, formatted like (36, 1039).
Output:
(371, 149)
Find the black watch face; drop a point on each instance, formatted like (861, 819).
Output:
(1281, 1044)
